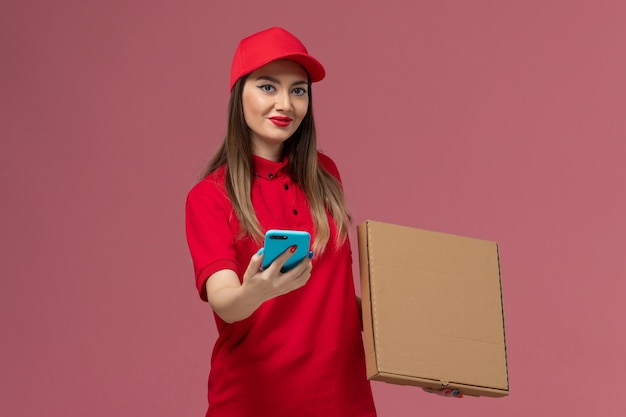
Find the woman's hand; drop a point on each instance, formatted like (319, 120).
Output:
(445, 392)
(234, 301)
(270, 282)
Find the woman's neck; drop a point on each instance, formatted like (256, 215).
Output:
(271, 153)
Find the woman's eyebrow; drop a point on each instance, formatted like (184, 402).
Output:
(268, 78)
(276, 81)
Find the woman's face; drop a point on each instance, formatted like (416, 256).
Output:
(275, 99)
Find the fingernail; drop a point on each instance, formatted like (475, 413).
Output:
(260, 252)
(448, 391)
(311, 255)
(293, 249)
(455, 392)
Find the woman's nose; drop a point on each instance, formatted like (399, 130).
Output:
(283, 101)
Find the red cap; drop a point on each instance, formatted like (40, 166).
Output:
(269, 45)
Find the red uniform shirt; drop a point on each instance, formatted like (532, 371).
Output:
(299, 354)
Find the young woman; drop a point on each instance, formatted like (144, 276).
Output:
(289, 343)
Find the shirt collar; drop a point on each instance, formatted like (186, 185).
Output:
(267, 169)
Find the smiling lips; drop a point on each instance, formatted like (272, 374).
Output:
(281, 121)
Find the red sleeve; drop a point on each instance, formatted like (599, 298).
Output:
(328, 165)
(209, 234)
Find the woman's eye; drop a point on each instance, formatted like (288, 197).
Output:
(267, 88)
(299, 91)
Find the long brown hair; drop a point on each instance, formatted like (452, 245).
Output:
(323, 191)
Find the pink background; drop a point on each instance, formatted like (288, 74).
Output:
(502, 120)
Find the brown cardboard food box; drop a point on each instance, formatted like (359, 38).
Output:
(432, 310)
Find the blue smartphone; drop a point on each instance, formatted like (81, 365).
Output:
(278, 241)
